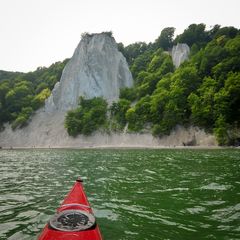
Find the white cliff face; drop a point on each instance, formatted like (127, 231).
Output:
(96, 69)
(180, 53)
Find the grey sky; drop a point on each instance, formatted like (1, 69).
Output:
(40, 32)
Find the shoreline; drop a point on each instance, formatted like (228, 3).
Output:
(41, 135)
(119, 147)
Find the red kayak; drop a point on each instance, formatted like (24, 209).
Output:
(74, 219)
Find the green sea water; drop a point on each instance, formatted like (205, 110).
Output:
(135, 194)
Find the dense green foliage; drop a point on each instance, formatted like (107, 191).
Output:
(23, 93)
(118, 114)
(87, 118)
(204, 91)
(6, 75)
(165, 40)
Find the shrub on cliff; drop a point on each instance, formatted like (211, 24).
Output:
(118, 111)
(19, 91)
(22, 118)
(90, 115)
(204, 91)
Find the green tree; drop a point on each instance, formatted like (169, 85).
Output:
(118, 111)
(213, 54)
(87, 118)
(165, 40)
(140, 114)
(18, 97)
(4, 88)
(128, 94)
(230, 32)
(73, 122)
(22, 118)
(232, 86)
(156, 61)
(202, 104)
(195, 33)
(220, 131)
(141, 63)
(39, 100)
(132, 51)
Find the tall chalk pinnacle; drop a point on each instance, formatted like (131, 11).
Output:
(96, 69)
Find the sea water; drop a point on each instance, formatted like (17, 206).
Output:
(135, 194)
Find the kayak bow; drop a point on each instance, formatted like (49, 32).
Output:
(74, 219)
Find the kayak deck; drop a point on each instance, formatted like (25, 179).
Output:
(74, 219)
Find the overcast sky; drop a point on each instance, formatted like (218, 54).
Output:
(40, 32)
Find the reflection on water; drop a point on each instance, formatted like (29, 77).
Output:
(135, 194)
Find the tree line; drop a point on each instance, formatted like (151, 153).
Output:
(204, 91)
(21, 94)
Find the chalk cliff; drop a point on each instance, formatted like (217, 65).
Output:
(180, 53)
(96, 69)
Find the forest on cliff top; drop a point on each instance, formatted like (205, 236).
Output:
(204, 91)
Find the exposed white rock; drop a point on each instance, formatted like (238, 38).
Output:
(180, 53)
(47, 130)
(96, 69)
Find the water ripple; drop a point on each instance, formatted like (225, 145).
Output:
(135, 194)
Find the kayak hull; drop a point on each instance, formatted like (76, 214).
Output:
(75, 200)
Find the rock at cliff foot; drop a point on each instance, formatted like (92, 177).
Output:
(97, 68)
